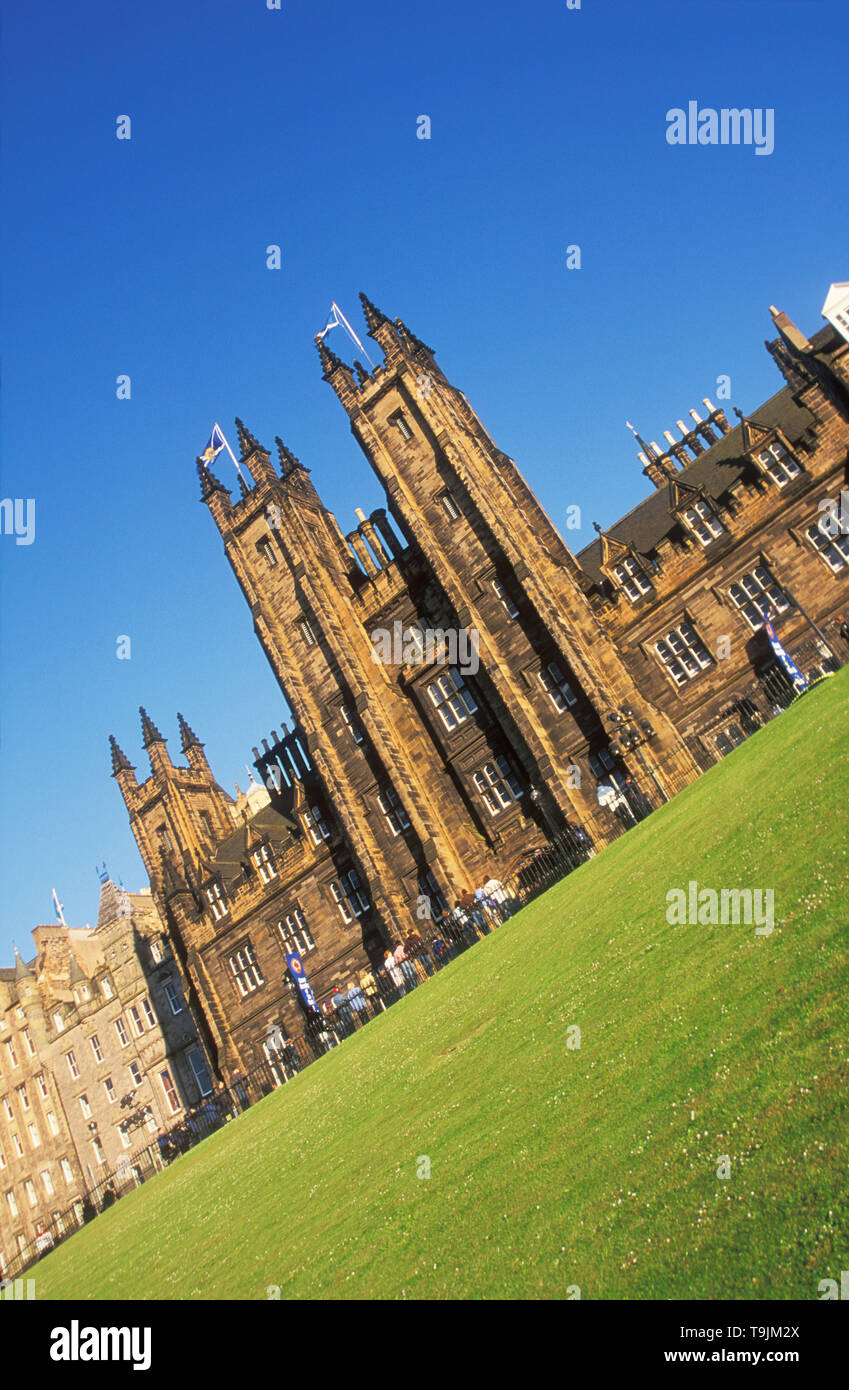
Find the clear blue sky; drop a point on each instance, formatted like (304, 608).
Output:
(298, 127)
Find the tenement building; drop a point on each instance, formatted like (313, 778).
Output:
(98, 1049)
(462, 684)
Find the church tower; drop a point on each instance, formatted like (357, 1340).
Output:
(551, 673)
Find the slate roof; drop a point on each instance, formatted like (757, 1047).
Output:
(716, 470)
(266, 824)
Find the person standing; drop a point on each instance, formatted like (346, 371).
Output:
(368, 985)
(393, 970)
(357, 1001)
(417, 950)
(408, 969)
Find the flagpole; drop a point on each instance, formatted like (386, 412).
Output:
(351, 334)
(229, 450)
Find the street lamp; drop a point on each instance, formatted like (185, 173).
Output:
(629, 735)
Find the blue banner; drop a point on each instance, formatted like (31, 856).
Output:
(296, 970)
(786, 660)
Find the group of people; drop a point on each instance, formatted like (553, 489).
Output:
(223, 1104)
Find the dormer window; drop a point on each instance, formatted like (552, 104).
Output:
(217, 901)
(399, 420)
(703, 521)
(263, 862)
(632, 579)
(778, 463)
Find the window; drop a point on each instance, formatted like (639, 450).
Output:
(451, 509)
(497, 785)
(217, 901)
(135, 1020)
(7, 1106)
(557, 687)
(633, 579)
(19, 1148)
(295, 934)
(201, 1071)
(263, 861)
(121, 1030)
(48, 1182)
(81, 994)
(170, 1091)
(41, 1083)
(72, 1065)
(778, 464)
(399, 420)
(13, 1056)
(833, 549)
(756, 591)
(510, 607)
(246, 971)
(172, 994)
(390, 805)
(52, 1122)
(85, 1107)
(156, 952)
(110, 1090)
(34, 1136)
(316, 825)
(266, 549)
(355, 728)
(58, 1022)
(135, 1073)
(683, 653)
(96, 1048)
(98, 1151)
(32, 1195)
(430, 889)
(452, 699)
(206, 819)
(21, 1242)
(126, 1141)
(728, 740)
(148, 1012)
(23, 1097)
(307, 632)
(67, 1171)
(349, 896)
(703, 521)
(29, 1042)
(2, 1159)
(13, 1206)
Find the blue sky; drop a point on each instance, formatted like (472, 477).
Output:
(298, 127)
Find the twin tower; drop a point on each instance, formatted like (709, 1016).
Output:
(438, 772)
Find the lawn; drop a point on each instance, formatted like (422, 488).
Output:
(554, 1166)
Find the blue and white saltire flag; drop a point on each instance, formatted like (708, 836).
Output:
(217, 442)
(337, 320)
(784, 657)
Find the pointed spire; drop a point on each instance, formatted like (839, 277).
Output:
(646, 448)
(362, 374)
(288, 461)
(120, 761)
(329, 361)
(415, 343)
(374, 317)
(22, 970)
(247, 443)
(150, 733)
(208, 481)
(188, 737)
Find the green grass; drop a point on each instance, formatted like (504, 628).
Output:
(553, 1166)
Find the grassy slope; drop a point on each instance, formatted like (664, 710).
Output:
(553, 1166)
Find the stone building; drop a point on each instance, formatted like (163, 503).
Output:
(97, 1051)
(462, 684)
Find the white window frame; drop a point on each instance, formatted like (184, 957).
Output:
(96, 1048)
(349, 896)
(832, 550)
(556, 686)
(390, 804)
(632, 579)
(172, 994)
(778, 463)
(73, 1068)
(295, 933)
(316, 824)
(768, 593)
(121, 1030)
(497, 785)
(246, 970)
(217, 901)
(702, 520)
(263, 862)
(682, 653)
(452, 699)
(509, 606)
